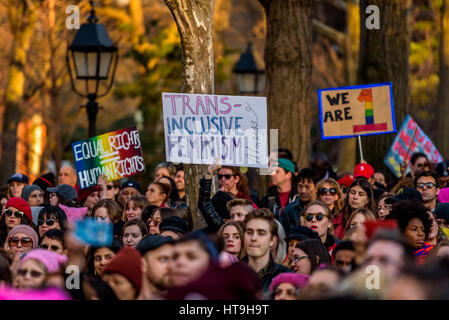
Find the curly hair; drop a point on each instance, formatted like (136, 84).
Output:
(405, 211)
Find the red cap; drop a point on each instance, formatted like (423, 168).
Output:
(128, 263)
(84, 193)
(347, 180)
(20, 205)
(363, 170)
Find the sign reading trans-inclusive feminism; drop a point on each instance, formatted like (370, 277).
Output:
(200, 128)
(356, 111)
(421, 143)
(117, 154)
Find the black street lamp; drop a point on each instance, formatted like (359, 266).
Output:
(250, 79)
(92, 55)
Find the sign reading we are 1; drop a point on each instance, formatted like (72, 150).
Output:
(356, 111)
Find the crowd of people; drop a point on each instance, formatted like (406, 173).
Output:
(315, 234)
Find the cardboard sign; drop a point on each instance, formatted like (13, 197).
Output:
(421, 143)
(356, 111)
(117, 154)
(200, 128)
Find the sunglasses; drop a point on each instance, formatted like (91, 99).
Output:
(109, 187)
(14, 242)
(48, 222)
(52, 248)
(33, 273)
(227, 176)
(155, 222)
(344, 190)
(428, 185)
(318, 216)
(324, 191)
(17, 214)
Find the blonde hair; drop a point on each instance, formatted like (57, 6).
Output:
(338, 205)
(369, 215)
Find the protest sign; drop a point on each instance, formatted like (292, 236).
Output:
(94, 233)
(403, 141)
(356, 111)
(117, 154)
(200, 128)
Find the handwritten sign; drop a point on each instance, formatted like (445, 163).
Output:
(356, 111)
(200, 128)
(401, 143)
(116, 154)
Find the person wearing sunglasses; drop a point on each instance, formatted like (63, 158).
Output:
(156, 217)
(417, 163)
(427, 184)
(317, 217)
(17, 212)
(51, 217)
(21, 239)
(328, 191)
(53, 240)
(36, 267)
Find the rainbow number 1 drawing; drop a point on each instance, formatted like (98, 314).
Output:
(366, 95)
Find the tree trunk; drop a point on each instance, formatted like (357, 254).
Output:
(443, 88)
(22, 20)
(384, 55)
(194, 21)
(347, 156)
(288, 61)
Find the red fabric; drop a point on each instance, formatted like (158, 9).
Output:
(244, 196)
(339, 229)
(84, 193)
(283, 196)
(21, 205)
(128, 263)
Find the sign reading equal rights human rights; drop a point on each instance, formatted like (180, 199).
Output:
(116, 154)
(356, 111)
(200, 128)
(403, 141)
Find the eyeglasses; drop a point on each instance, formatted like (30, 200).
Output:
(52, 248)
(385, 208)
(227, 176)
(33, 273)
(318, 216)
(17, 214)
(48, 222)
(14, 242)
(324, 191)
(428, 185)
(296, 258)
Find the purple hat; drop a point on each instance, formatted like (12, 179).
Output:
(51, 260)
(296, 279)
(443, 196)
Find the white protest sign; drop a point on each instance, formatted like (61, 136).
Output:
(200, 128)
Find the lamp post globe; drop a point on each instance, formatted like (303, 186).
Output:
(92, 61)
(250, 79)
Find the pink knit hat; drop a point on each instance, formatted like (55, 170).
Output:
(23, 228)
(226, 259)
(51, 260)
(443, 196)
(296, 279)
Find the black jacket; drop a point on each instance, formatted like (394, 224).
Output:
(273, 270)
(273, 202)
(210, 215)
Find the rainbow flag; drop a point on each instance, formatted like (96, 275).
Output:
(116, 154)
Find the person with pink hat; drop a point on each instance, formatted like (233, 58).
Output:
(36, 267)
(21, 239)
(17, 212)
(286, 286)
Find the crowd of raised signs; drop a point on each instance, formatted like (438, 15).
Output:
(314, 234)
